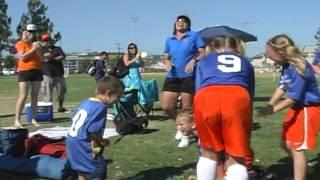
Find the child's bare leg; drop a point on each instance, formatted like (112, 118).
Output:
(80, 177)
(299, 161)
(299, 164)
(221, 166)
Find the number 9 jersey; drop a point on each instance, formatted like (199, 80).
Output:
(226, 68)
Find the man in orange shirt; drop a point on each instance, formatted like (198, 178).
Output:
(29, 72)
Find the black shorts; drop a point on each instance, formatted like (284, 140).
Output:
(179, 85)
(30, 75)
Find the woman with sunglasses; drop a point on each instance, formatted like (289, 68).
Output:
(133, 80)
(29, 72)
(182, 51)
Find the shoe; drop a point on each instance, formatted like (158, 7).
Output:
(184, 142)
(63, 110)
(178, 135)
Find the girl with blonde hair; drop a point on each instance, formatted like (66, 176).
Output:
(301, 123)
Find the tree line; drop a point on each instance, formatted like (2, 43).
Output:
(35, 14)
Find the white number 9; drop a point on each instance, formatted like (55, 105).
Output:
(77, 122)
(229, 63)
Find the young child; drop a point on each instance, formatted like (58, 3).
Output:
(301, 124)
(84, 141)
(185, 124)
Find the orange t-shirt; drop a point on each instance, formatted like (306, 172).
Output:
(31, 63)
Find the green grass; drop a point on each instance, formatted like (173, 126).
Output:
(155, 155)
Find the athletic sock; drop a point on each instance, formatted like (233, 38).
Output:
(206, 169)
(237, 172)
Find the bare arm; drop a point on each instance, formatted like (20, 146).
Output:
(126, 60)
(61, 56)
(278, 93)
(99, 140)
(193, 61)
(283, 104)
(316, 68)
(35, 47)
(166, 61)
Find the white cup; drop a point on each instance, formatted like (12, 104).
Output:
(143, 54)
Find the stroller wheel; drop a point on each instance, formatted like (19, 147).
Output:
(148, 107)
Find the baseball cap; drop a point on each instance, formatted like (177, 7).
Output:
(45, 37)
(31, 27)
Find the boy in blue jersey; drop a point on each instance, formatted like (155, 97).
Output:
(85, 143)
(301, 124)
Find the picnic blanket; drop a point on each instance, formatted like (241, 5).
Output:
(58, 132)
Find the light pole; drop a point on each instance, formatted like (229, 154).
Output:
(135, 21)
(118, 48)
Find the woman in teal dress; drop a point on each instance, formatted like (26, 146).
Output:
(147, 90)
(132, 59)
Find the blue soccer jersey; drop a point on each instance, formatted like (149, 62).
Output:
(302, 89)
(316, 60)
(225, 68)
(181, 51)
(89, 118)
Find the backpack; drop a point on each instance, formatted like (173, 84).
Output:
(119, 70)
(92, 69)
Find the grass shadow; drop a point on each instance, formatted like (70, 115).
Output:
(158, 117)
(281, 170)
(148, 131)
(61, 119)
(161, 173)
(6, 115)
(256, 126)
(266, 98)
(314, 168)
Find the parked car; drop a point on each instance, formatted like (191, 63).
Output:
(8, 71)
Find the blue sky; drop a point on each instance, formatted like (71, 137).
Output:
(95, 25)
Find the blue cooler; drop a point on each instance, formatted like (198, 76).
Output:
(44, 111)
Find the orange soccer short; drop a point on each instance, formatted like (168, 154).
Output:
(223, 117)
(301, 126)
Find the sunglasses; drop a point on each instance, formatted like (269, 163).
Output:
(182, 20)
(132, 48)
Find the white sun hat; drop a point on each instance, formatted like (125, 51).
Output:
(31, 27)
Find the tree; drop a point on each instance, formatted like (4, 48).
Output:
(36, 15)
(9, 62)
(5, 22)
(317, 37)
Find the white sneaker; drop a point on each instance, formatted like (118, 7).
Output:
(178, 135)
(184, 142)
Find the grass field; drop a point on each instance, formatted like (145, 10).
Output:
(154, 155)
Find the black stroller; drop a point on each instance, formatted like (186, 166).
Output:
(130, 116)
